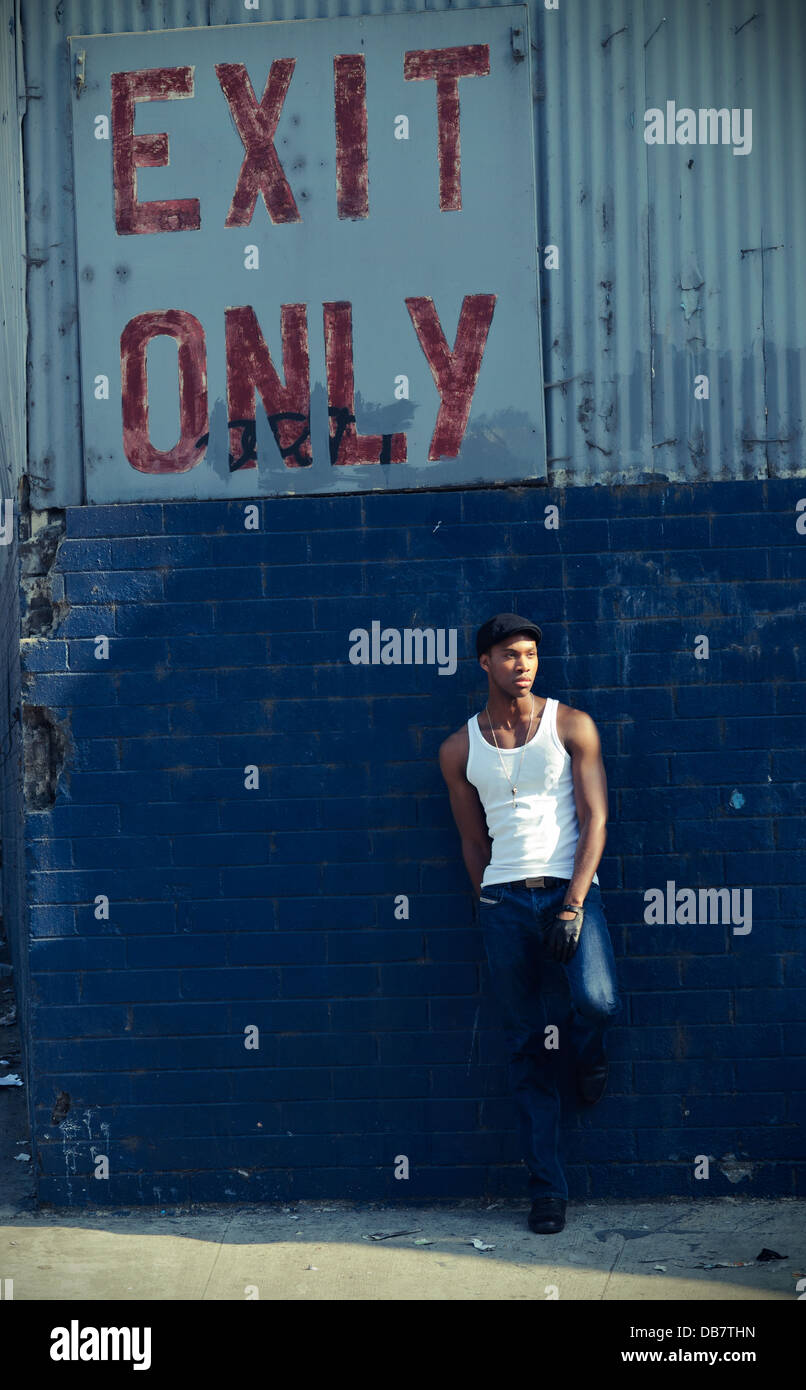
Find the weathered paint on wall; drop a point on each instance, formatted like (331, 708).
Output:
(377, 200)
(661, 274)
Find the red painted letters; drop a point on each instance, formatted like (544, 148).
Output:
(455, 373)
(130, 152)
(261, 171)
(447, 65)
(249, 367)
(134, 340)
(256, 123)
(352, 176)
(346, 445)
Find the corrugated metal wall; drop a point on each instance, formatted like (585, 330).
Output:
(673, 260)
(12, 246)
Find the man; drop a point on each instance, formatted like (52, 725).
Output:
(529, 796)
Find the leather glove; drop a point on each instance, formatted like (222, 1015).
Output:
(561, 937)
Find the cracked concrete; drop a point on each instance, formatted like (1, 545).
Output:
(609, 1251)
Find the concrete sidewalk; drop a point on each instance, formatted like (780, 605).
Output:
(321, 1250)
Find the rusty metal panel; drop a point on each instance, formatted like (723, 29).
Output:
(307, 257)
(654, 256)
(12, 271)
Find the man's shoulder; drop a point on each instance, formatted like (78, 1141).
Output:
(573, 724)
(455, 747)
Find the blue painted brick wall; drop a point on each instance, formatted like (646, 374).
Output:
(275, 907)
(14, 927)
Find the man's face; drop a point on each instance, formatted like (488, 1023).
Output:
(512, 664)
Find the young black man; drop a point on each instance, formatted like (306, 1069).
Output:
(528, 793)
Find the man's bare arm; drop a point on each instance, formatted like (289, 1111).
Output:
(467, 809)
(590, 793)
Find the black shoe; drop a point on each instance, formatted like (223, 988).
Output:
(547, 1216)
(592, 1081)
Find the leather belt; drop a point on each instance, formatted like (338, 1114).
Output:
(544, 881)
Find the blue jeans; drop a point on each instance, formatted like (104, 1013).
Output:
(512, 923)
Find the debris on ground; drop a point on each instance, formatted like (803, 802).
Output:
(723, 1264)
(390, 1235)
(709, 1264)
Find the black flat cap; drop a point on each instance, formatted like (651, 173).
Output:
(500, 627)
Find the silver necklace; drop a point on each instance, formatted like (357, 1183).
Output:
(523, 750)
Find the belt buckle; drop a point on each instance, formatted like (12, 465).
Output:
(535, 882)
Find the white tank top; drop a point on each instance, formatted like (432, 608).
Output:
(540, 835)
